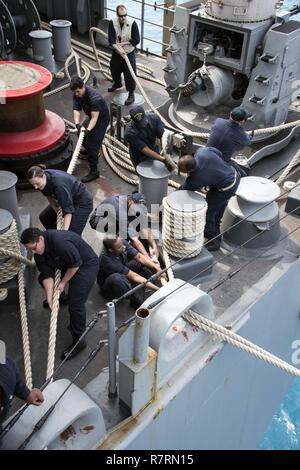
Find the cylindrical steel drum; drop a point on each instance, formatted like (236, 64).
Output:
(61, 30)
(241, 10)
(153, 182)
(8, 195)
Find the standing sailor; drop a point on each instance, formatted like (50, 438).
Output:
(94, 106)
(65, 191)
(123, 37)
(141, 134)
(228, 135)
(207, 168)
(59, 249)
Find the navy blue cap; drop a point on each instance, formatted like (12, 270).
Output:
(240, 114)
(138, 115)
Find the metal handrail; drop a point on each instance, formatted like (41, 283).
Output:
(140, 19)
(155, 5)
(143, 22)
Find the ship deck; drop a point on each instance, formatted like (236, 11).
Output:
(33, 202)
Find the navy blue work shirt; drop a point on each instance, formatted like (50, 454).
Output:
(92, 101)
(135, 34)
(211, 171)
(139, 138)
(66, 189)
(227, 136)
(109, 263)
(11, 384)
(114, 215)
(63, 250)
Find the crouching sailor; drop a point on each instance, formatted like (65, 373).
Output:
(59, 249)
(207, 168)
(121, 268)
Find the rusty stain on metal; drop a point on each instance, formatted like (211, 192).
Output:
(68, 433)
(195, 328)
(184, 334)
(86, 429)
(174, 327)
(157, 413)
(211, 356)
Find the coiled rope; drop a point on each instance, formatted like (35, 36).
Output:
(9, 267)
(183, 232)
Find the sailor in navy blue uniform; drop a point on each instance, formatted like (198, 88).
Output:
(142, 134)
(123, 37)
(94, 106)
(207, 168)
(127, 217)
(65, 191)
(228, 136)
(121, 268)
(65, 250)
(12, 384)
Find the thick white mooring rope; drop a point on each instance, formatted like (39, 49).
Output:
(8, 269)
(238, 341)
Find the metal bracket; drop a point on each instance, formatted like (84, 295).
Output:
(263, 80)
(257, 100)
(270, 59)
(169, 69)
(171, 50)
(176, 30)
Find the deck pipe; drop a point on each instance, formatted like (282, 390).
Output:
(142, 335)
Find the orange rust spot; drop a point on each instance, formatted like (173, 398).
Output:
(184, 334)
(87, 429)
(157, 413)
(174, 327)
(67, 434)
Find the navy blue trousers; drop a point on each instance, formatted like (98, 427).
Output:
(118, 65)
(93, 141)
(79, 219)
(216, 205)
(117, 284)
(79, 288)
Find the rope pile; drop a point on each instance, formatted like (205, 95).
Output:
(11, 264)
(183, 232)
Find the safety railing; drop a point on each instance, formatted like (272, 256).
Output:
(164, 7)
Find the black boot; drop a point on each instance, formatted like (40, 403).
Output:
(213, 245)
(93, 175)
(80, 347)
(114, 87)
(130, 99)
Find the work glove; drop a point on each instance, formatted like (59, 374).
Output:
(78, 127)
(169, 163)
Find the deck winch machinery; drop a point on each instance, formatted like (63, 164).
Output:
(17, 19)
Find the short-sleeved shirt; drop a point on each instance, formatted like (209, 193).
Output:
(144, 137)
(227, 136)
(67, 190)
(92, 101)
(211, 170)
(110, 263)
(63, 250)
(115, 217)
